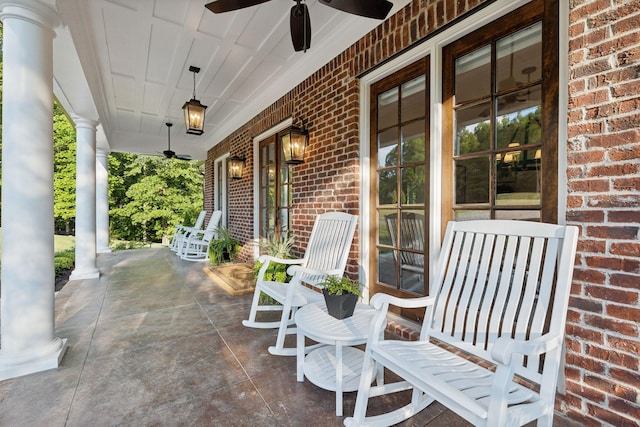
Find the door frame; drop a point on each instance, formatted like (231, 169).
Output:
(220, 199)
(256, 177)
(433, 47)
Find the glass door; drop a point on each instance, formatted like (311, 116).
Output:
(400, 173)
(276, 193)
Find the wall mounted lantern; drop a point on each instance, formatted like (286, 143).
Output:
(194, 110)
(236, 166)
(294, 141)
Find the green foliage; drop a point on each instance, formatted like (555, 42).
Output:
(149, 195)
(339, 285)
(275, 272)
(278, 246)
(64, 169)
(63, 260)
(124, 245)
(223, 248)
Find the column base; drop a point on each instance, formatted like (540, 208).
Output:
(86, 274)
(106, 250)
(17, 365)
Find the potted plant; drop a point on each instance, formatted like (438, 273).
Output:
(340, 295)
(224, 248)
(277, 246)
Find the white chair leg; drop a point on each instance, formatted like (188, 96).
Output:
(285, 320)
(364, 389)
(254, 307)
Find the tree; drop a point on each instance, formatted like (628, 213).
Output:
(64, 168)
(150, 195)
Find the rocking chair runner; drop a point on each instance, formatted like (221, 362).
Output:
(501, 292)
(195, 247)
(326, 254)
(183, 231)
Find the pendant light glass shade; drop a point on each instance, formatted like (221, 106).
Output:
(194, 110)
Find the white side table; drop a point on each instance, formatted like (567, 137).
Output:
(335, 366)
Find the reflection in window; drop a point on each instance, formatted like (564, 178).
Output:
(498, 145)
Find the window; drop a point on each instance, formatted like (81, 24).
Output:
(500, 109)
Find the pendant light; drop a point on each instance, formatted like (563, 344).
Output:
(194, 110)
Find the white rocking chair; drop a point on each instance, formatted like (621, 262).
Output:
(196, 246)
(183, 231)
(326, 254)
(500, 297)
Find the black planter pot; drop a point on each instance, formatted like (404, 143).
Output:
(340, 306)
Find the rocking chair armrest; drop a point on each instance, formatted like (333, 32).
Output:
(505, 347)
(380, 300)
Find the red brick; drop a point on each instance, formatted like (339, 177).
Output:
(618, 169)
(585, 334)
(585, 216)
(610, 294)
(625, 375)
(625, 313)
(623, 344)
(610, 417)
(628, 410)
(613, 264)
(588, 305)
(614, 139)
(631, 152)
(592, 246)
(589, 185)
(625, 280)
(631, 216)
(605, 384)
(624, 328)
(627, 184)
(613, 201)
(626, 249)
(590, 393)
(613, 232)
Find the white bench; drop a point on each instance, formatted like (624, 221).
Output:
(499, 304)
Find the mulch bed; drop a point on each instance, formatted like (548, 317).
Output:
(63, 278)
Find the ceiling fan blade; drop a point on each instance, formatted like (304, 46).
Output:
(221, 6)
(181, 157)
(377, 9)
(300, 27)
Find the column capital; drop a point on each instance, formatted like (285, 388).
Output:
(33, 11)
(82, 122)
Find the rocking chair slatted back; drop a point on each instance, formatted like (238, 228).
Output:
(329, 245)
(498, 280)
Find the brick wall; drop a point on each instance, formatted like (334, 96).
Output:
(604, 198)
(603, 181)
(329, 100)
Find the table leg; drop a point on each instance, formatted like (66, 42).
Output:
(300, 355)
(339, 379)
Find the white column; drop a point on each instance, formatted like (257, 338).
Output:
(27, 322)
(85, 267)
(102, 201)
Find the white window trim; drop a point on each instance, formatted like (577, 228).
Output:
(221, 180)
(434, 47)
(256, 178)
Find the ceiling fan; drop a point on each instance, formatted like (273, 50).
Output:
(171, 154)
(300, 23)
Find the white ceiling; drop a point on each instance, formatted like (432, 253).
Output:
(125, 63)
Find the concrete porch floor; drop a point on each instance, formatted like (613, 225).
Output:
(154, 341)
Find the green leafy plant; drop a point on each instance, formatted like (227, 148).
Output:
(63, 260)
(341, 285)
(224, 248)
(278, 247)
